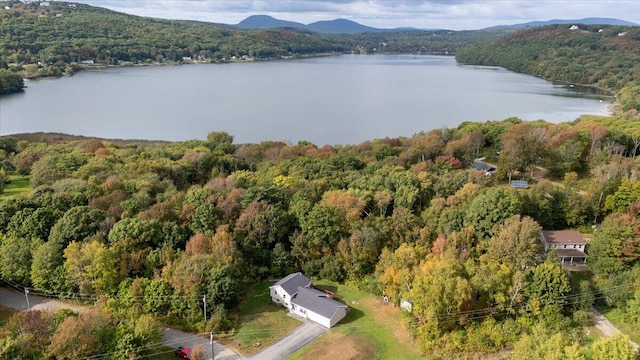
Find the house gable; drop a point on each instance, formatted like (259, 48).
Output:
(286, 288)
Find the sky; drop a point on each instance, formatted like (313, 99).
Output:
(423, 14)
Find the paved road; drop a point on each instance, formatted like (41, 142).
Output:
(295, 340)
(175, 338)
(17, 300)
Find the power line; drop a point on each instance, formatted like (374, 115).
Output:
(361, 327)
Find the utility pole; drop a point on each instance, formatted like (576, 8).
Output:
(26, 294)
(213, 354)
(204, 301)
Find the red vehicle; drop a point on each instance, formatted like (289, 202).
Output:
(183, 353)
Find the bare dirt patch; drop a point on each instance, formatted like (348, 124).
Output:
(388, 314)
(336, 346)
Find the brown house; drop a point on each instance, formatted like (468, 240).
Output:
(569, 244)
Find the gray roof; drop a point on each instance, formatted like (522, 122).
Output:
(291, 282)
(317, 301)
(571, 253)
(482, 166)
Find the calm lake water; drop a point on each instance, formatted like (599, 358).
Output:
(331, 100)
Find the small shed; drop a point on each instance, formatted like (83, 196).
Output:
(406, 304)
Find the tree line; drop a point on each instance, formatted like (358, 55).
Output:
(148, 229)
(54, 40)
(10, 82)
(603, 56)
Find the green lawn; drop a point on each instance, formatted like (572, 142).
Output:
(261, 321)
(371, 330)
(19, 184)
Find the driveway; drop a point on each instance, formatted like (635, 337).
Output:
(606, 327)
(603, 324)
(298, 338)
(289, 344)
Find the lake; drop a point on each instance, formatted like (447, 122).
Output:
(343, 99)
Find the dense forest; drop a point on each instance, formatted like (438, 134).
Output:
(143, 230)
(10, 82)
(62, 37)
(596, 55)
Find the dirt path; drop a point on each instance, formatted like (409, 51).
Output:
(606, 327)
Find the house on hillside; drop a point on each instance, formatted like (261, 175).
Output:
(570, 245)
(480, 165)
(296, 293)
(574, 27)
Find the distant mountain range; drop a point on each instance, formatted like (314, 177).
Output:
(344, 26)
(338, 26)
(587, 21)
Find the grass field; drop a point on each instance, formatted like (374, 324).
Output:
(371, 330)
(19, 184)
(261, 322)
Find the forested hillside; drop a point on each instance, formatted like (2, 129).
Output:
(147, 229)
(596, 55)
(62, 37)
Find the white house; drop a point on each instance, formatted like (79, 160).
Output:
(284, 290)
(574, 27)
(318, 307)
(569, 244)
(295, 292)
